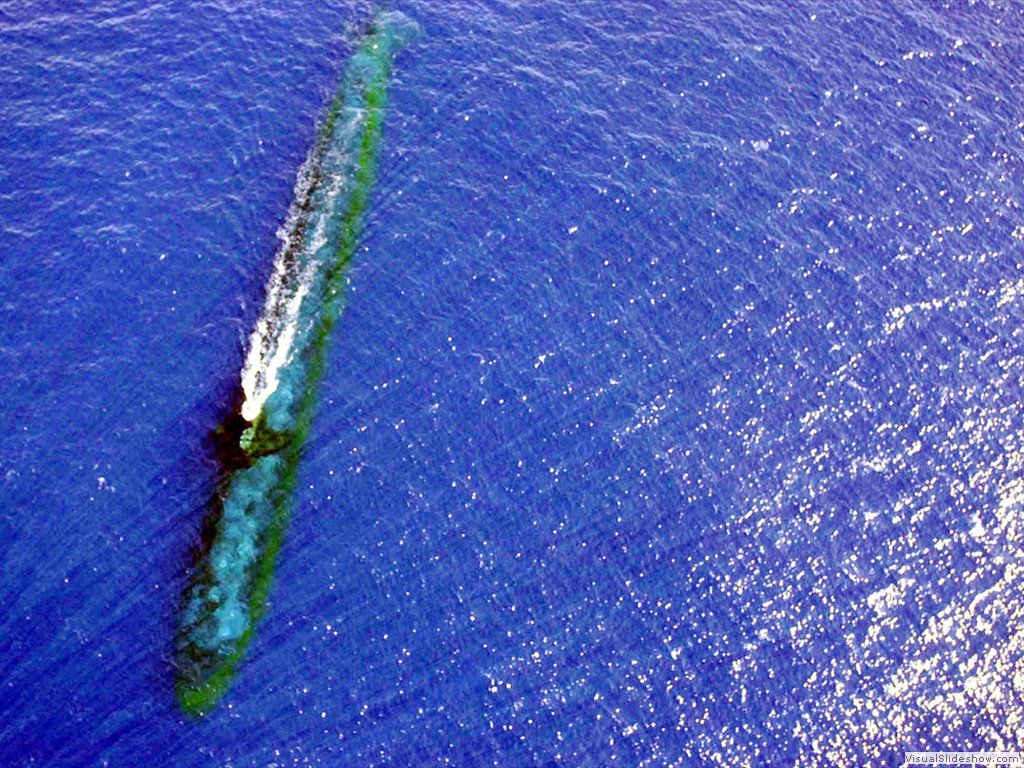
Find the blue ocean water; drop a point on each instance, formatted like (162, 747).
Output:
(673, 418)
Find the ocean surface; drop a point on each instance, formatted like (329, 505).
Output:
(674, 416)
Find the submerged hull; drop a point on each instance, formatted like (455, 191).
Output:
(260, 445)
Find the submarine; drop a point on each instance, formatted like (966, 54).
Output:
(259, 446)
